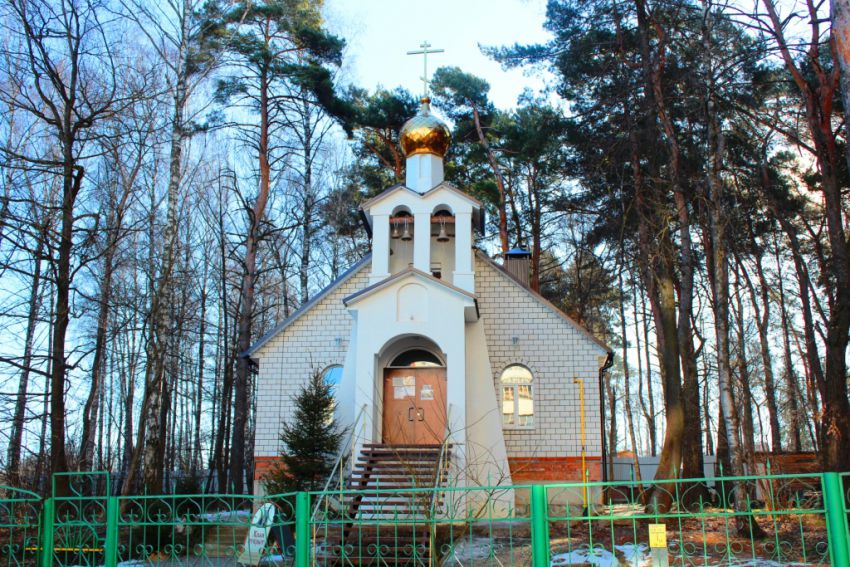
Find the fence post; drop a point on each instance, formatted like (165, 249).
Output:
(302, 529)
(47, 518)
(836, 519)
(539, 526)
(110, 546)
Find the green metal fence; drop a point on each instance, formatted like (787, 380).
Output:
(20, 526)
(802, 520)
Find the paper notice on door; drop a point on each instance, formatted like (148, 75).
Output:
(427, 392)
(404, 387)
(404, 381)
(402, 392)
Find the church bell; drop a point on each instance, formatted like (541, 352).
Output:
(442, 237)
(405, 234)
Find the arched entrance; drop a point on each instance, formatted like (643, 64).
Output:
(415, 409)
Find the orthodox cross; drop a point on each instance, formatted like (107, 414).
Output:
(424, 53)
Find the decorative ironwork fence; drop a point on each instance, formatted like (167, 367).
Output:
(773, 520)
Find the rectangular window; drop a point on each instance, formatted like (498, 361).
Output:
(517, 396)
(525, 404)
(508, 405)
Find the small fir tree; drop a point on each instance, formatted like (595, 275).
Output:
(310, 441)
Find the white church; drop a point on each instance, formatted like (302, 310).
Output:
(431, 343)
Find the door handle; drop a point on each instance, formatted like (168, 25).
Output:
(420, 414)
(410, 413)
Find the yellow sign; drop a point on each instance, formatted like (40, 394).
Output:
(657, 535)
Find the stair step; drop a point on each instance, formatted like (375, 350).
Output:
(404, 446)
(393, 458)
(397, 466)
(406, 492)
(385, 479)
(394, 506)
(385, 474)
(388, 481)
(408, 454)
(396, 459)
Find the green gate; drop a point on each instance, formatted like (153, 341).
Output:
(76, 519)
(839, 523)
(20, 527)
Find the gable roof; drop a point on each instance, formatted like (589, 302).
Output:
(543, 301)
(385, 193)
(453, 189)
(306, 307)
(411, 271)
(398, 187)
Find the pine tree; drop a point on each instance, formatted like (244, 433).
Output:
(310, 441)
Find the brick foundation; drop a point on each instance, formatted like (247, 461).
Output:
(262, 465)
(553, 469)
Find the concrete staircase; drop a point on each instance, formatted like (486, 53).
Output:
(388, 518)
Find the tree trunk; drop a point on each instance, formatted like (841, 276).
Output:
(18, 419)
(840, 11)
(660, 281)
(197, 458)
(40, 482)
(72, 180)
(762, 318)
(241, 386)
(791, 383)
(627, 397)
(309, 199)
(648, 406)
(90, 410)
(706, 413)
(150, 442)
(91, 406)
(746, 398)
(746, 525)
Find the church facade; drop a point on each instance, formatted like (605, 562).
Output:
(430, 341)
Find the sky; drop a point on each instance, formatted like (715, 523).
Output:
(379, 33)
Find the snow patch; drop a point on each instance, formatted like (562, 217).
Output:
(228, 515)
(472, 549)
(595, 556)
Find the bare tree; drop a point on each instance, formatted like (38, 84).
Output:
(817, 86)
(174, 30)
(65, 80)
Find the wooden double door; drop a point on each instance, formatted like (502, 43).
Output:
(415, 410)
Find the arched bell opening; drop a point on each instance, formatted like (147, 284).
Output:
(401, 239)
(442, 242)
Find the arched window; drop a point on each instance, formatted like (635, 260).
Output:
(517, 396)
(416, 358)
(332, 376)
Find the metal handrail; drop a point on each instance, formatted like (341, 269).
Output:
(347, 447)
(440, 461)
(437, 476)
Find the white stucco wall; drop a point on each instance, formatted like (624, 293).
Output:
(555, 351)
(488, 461)
(412, 305)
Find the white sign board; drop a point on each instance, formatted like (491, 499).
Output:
(258, 535)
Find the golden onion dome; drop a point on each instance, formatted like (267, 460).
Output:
(424, 133)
